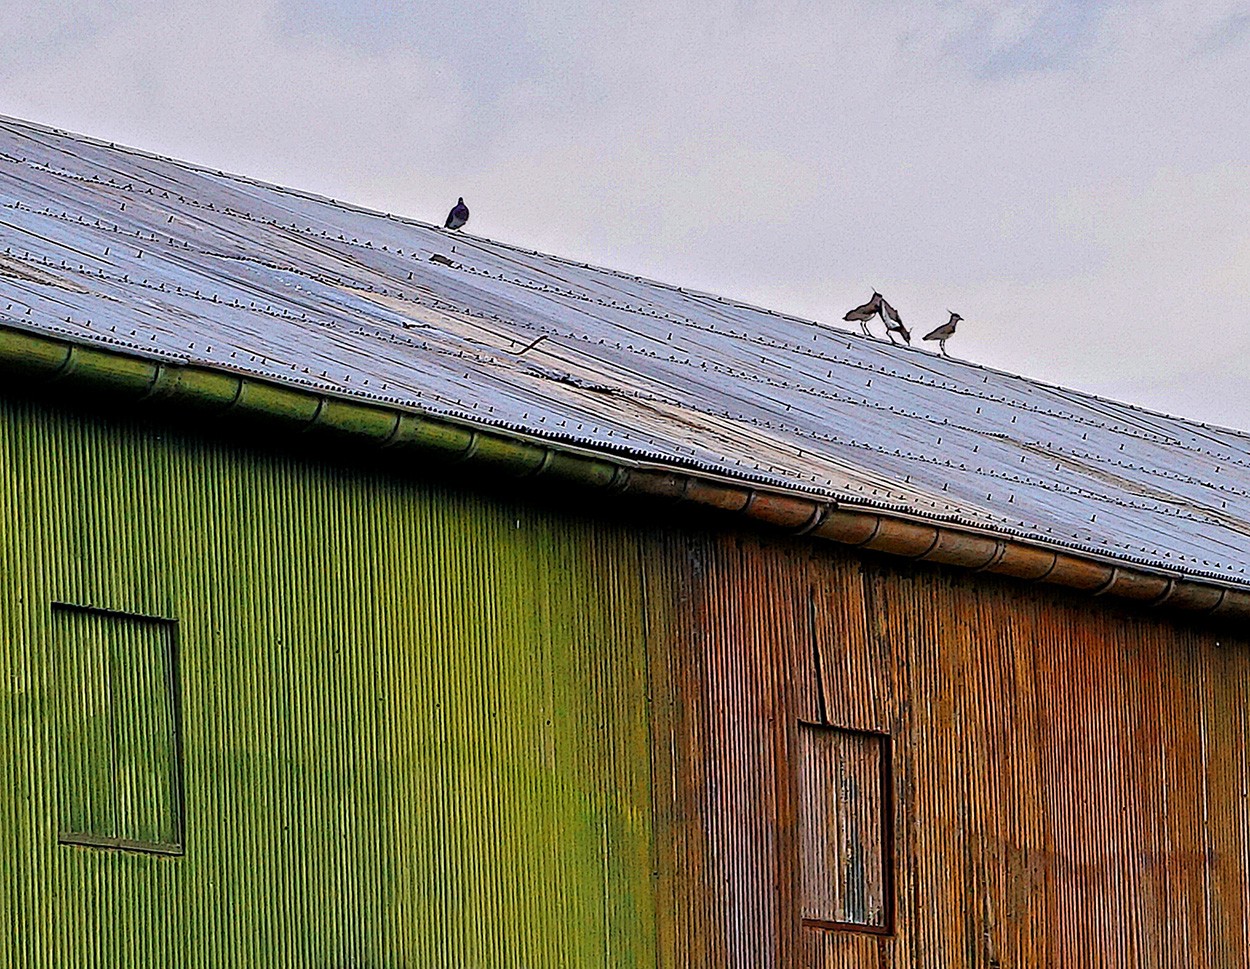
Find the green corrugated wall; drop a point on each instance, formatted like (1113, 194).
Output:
(414, 721)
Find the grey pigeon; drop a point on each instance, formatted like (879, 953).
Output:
(944, 332)
(457, 216)
(862, 314)
(893, 322)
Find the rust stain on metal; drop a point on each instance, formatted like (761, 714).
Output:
(1068, 778)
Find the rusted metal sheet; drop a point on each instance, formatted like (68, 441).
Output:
(822, 949)
(1069, 777)
(853, 693)
(842, 805)
(724, 618)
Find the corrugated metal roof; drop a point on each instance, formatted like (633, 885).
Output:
(111, 246)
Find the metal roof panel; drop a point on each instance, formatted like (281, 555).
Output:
(113, 246)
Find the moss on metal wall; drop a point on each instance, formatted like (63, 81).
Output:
(414, 721)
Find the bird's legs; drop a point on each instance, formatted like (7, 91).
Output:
(942, 347)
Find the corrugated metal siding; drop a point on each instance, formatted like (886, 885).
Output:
(843, 950)
(420, 729)
(415, 721)
(725, 620)
(843, 841)
(118, 771)
(1070, 779)
(83, 700)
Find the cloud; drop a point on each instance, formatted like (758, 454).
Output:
(1005, 39)
(1066, 175)
(233, 89)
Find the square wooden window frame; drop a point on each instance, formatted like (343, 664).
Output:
(174, 678)
(886, 741)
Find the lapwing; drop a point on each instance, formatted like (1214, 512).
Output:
(944, 332)
(862, 314)
(893, 322)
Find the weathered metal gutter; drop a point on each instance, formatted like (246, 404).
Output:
(43, 359)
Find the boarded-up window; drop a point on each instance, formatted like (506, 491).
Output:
(120, 778)
(844, 830)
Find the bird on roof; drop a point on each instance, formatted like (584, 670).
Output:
(862, 314)
(944, 332)
(458, 216)
(893, 322)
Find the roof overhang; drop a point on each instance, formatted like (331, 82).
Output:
(40, 359)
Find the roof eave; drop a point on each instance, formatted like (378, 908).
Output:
(44, 359)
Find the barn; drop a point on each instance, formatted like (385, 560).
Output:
(377, 595)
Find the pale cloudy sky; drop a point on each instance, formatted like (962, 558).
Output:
(1073, 178)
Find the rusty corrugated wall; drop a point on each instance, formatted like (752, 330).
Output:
(414, 721)
(1070, 779)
